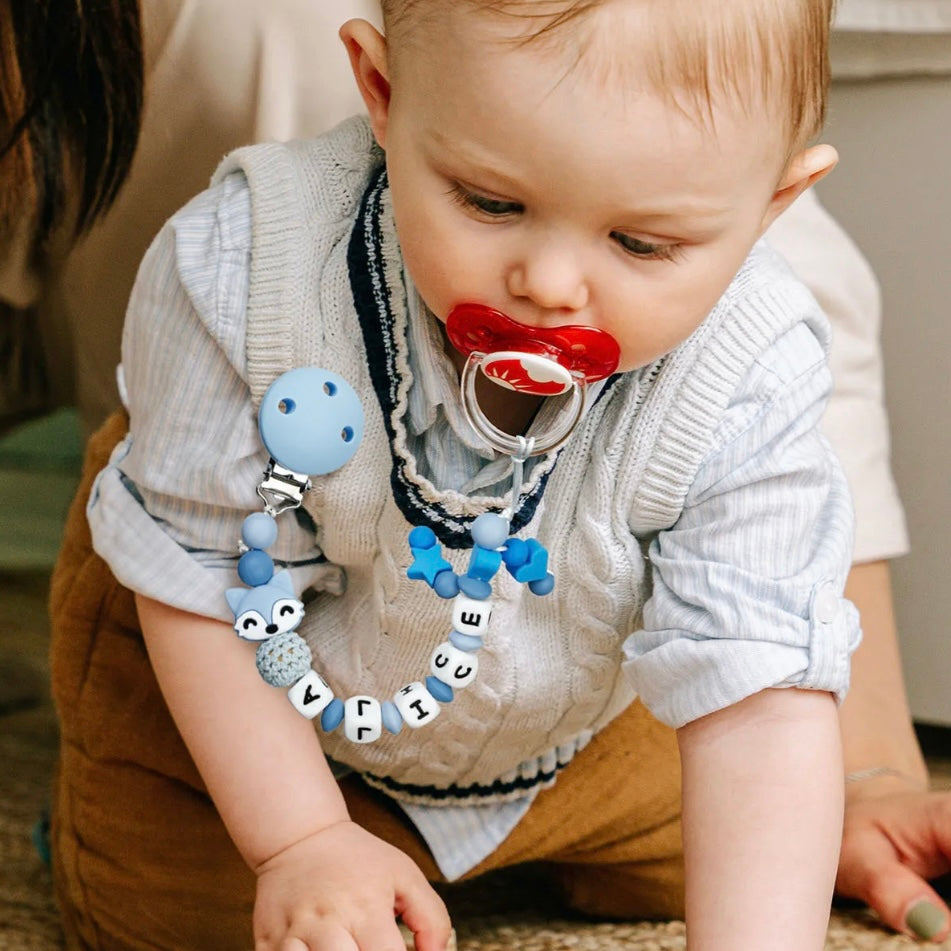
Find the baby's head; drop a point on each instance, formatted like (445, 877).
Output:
(602, 162)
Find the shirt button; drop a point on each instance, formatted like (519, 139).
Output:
(825, 604)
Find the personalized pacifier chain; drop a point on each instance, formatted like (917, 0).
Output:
(311, 423)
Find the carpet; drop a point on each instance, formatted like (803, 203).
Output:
(507, 911)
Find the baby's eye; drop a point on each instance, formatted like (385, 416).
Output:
(494, 207)
(644, 249)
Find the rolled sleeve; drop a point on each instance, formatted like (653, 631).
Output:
(166, 512)
(747, 585)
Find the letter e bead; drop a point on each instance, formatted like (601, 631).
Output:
(454, 667)
(470, 616)
(416, 704)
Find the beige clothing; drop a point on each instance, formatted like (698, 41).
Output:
(221, 73)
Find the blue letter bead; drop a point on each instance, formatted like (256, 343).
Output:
(465, 642)
(542, 585)
(442, 692)
(332, 717)
(515, 554)
(490, 530)
(422, 537)
(255, 567)
(474, 588)
(484, 563)
(446, 584)
(392, 719)
(259, 530)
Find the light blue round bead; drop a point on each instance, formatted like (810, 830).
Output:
(446, 584)
(255, 567)
(475, 588)
(490, 530)
(465, 642)
(392, 719)
(259, 530)
(332, 716)
(442, 692)
(542, 586)
(422, 537)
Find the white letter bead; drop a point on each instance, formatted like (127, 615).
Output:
(362, 719)
(453, 666)
(470, 616)
(416, 704)
(311, 694)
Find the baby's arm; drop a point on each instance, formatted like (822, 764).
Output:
(320, 876)
(762, 818)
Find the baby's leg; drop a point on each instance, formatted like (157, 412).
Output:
(141, 859)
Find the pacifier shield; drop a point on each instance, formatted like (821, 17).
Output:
(586, 353)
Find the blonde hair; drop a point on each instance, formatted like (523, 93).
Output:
(767, 51)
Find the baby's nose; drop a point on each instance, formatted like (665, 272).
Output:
(550, 277)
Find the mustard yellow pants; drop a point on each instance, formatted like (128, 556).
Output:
(142, 860)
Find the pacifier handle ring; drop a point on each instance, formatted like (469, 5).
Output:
(505, 442)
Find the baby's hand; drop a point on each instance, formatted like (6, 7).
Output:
(341, 889)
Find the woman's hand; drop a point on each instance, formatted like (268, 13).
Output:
(895, 838)
(341, 889)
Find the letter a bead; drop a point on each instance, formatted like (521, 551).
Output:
(470, 616)
(453, 666)
(362, 719)
(310, 695)
(416, 704)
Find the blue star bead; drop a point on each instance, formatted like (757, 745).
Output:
(427, 563)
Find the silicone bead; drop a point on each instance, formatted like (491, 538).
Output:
(427, 564)
(363, 722)
(536, 566)
(255, 567)
(391, 716)
(422, 537)
(440, 690)
(542, 586)
(465, 642)
(490, 530)
(446, 584)
(452, 666)
(283, 659)
(470, 616)
(259, 530)
(311, 694)
(332, 716)
(474, 588)
(515, 553)
(416, 705)
(484, 563)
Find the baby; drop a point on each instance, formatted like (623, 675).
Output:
(603, 165)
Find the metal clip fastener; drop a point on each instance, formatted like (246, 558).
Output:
(282, 488)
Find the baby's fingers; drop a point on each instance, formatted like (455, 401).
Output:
(320, 935)
(907, 903)
(424, 914)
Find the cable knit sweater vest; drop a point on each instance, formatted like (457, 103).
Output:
(327, 289)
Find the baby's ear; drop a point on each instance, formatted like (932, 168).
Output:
(366, 48)
(802, 171)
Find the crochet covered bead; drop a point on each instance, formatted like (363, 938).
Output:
(283, 659)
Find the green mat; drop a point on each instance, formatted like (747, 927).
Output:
(39, 468)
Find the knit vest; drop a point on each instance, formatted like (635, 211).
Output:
(327, 289)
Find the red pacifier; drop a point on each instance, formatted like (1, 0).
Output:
(536, 360)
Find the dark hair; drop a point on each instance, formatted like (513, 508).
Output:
(71, 78)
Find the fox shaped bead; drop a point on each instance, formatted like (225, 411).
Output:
(267, 609)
